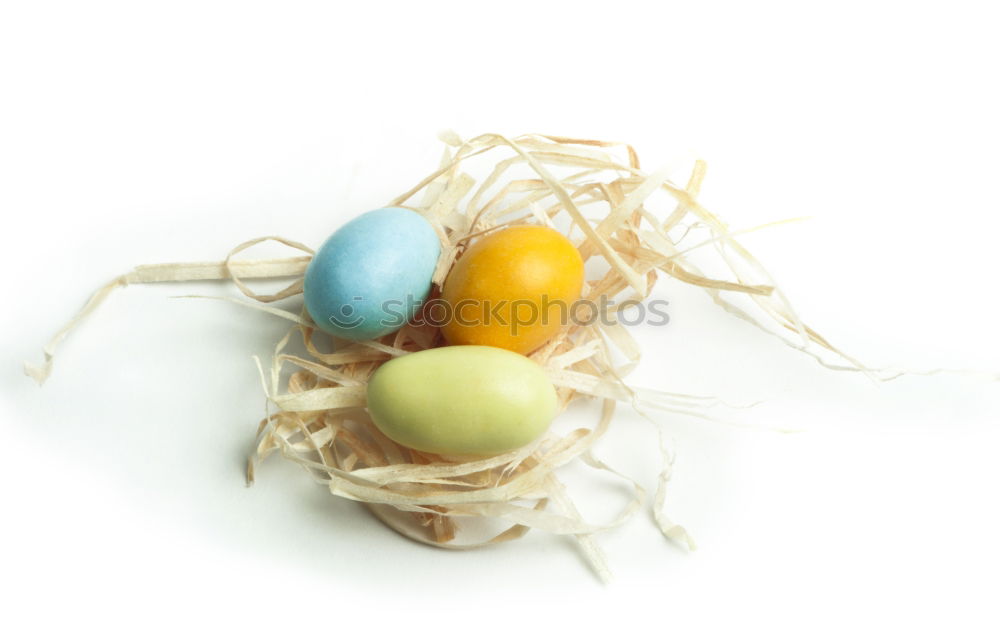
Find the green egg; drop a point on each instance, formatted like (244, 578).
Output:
(462, 400)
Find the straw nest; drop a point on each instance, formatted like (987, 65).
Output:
(597, 194)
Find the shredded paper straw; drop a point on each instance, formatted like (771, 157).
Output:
(598, 195)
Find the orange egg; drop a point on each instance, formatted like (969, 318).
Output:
(512, 289)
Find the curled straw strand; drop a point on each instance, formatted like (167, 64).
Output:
(319, 419)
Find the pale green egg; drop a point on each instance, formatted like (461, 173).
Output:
(462, 400)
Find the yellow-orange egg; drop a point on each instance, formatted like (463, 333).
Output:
(512, 289)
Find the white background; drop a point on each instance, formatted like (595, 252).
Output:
(151, 132)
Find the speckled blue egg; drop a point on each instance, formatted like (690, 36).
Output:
(371, 276)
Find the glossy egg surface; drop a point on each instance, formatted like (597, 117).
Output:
(513, 289)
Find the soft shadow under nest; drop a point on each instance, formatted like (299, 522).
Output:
(596, 193)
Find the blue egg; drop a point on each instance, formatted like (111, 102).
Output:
(371, 276)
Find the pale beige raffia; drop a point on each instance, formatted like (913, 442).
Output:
(607, 206)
